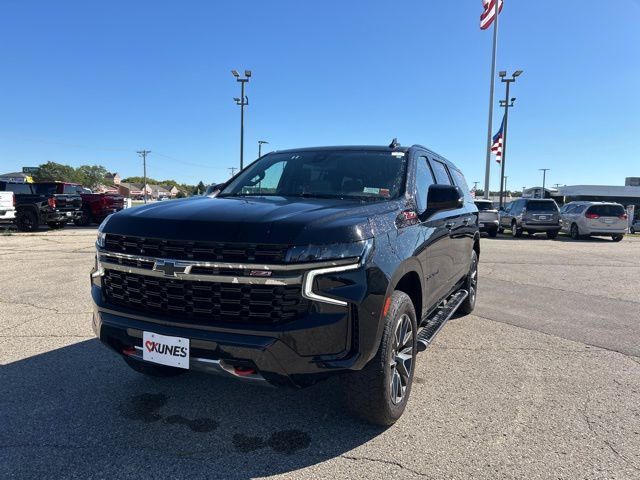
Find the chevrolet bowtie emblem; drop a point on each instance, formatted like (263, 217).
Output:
(169, 268)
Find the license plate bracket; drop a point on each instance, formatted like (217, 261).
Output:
(165, 350)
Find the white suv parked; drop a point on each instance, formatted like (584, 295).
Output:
(584, 219)
(7, 207)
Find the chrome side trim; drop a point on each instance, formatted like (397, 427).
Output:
(234, 266)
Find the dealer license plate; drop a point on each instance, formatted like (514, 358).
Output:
(165, 350)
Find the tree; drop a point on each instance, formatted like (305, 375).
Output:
(91, 175)
(199, 189)
(55, 172)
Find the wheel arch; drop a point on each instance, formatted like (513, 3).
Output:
(408, 279)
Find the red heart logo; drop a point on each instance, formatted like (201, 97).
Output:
(149, 344)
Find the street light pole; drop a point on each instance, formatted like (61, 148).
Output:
(505, 103)
(505, 186)
(260, 143)
(544, 178)
(242, 101)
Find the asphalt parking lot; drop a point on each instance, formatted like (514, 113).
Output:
(543, 381)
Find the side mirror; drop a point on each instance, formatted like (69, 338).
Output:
(444, 197)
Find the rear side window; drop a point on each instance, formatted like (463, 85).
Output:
(46, 188)
(424, 179)
(459, 180)
(440, 171)
(607, 210)
(538, 206)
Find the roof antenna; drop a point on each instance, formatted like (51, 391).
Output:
(394, 143)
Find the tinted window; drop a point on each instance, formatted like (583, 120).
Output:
(540, 206)
(607, 210)
(16, 188)
(72, 189)
(485, 206)
(440, 171)
(45, 188)
(365, 174)
(424, 179)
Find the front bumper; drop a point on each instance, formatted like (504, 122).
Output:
(326, 340)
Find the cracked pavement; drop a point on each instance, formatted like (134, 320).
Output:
(543, 381)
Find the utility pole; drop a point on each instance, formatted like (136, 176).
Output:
(233, 170)
(505, 103)
(242, 101)
(143, 154)
(260, 143)
(544, 177)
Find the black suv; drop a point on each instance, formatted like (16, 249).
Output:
(308, 263)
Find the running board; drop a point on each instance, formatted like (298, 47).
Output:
(427, 333)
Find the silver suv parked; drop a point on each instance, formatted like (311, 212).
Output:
(583, 219)
(531, 215)
(488, 217)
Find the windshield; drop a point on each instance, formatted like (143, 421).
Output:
(366, 175)
(485, 206)
(542, 206)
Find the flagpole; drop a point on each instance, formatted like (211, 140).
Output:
(487, 171)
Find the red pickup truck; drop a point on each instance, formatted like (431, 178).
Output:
(95, 206)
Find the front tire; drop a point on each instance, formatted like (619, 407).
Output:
(151, 369)
(515, 231)
(56, 225)
(575, 233)
(379, 392)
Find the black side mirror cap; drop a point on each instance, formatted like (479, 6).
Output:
(444, 197)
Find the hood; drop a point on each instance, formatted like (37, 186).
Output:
(297, 221)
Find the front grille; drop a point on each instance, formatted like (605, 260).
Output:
(202, 251)
(205, 302)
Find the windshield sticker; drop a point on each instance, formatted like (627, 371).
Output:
(397, 154)
(375, 191)
(385, 192)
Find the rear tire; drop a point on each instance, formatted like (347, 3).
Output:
(379, 392)
(26, 221)
(471, 286)
(552, 234)
(151, 369)
(493, 233)
(56, 225)
(617, 238)
(632, 230)
(500, 230)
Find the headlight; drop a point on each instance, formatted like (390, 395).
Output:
(334, 251)
(101, 235)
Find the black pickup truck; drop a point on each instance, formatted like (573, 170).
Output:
(39, 203)
(308, 263)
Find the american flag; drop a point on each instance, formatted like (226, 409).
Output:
(489, 13)
(473, 192)
(496, 146)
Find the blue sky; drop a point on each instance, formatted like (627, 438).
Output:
(92, 82)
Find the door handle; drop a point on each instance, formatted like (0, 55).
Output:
(466, 221)
(449, 225)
